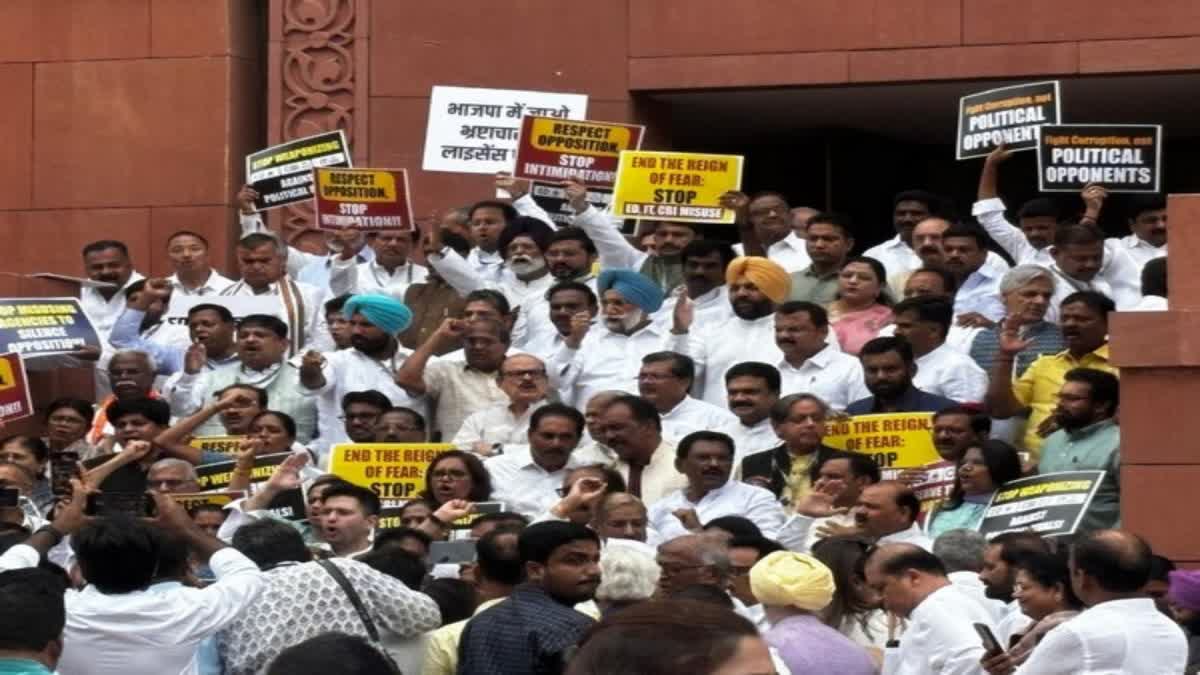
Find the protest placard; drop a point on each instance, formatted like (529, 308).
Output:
(1051, 504)
(935, 487)
(893, 440)
(282, 174)
(191, 500)
(1008, 115)
(475, 130)
(226, 445)
(391, 470)
(553, 199)
(363, 199)
(15, 400)
(551, 149)
(43, 326)
(681, 186)
(240, 306)
(1120, 157)
(218, 475)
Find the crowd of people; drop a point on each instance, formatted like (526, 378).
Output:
(638, 478)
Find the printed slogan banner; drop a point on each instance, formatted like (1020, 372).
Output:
(1121, 157)
(678, 186)
(288, 504)
(363, 199)
(1051, 504)
(391, 470)
(553, 200)
(226, 445)
(475, 130)
(1009, 116)
(283, 174)
(15, 400)
(554, 149)
(894, 440)
(43, 326)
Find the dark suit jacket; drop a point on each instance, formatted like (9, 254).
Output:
(776, 465)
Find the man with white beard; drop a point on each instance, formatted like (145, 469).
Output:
(613, 354)
(523, 244)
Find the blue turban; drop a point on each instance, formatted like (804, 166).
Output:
(632, 286)
(385, 312)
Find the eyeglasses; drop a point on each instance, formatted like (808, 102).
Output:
(521, 374)
(353, 417)
(671, 569)
(655, 377)
(451, 474)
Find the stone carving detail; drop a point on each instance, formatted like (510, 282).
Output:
(317, 75)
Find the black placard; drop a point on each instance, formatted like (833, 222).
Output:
(1120, 157)
(1008, 115)
(283, 174)
(1051, 504)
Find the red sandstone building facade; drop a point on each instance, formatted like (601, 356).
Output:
(129, 119)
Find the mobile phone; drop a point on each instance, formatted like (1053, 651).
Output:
(990, 644)
(137, 504)
(9, 497)
(450, 552)
(488, 507)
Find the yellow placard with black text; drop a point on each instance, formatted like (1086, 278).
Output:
(391, 470)
(680, 186)
(893, 440)
(227, 445)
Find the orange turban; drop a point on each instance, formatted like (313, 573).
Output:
(768, 276)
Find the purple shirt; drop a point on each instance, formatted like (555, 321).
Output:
(808, 646)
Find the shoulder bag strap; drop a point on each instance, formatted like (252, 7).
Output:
(353, 596)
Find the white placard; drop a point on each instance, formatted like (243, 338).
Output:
(474, 130)
(174, 324)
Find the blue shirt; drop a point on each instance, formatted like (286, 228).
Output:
(22, 667)
(913, 400)
(525, 634)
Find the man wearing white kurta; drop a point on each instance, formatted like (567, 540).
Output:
(808, 363)
(526, 479)
(752, 388)
(664, 380)
(924, 321)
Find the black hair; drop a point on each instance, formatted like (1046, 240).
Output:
(1095, 300)
(981, 424)
(397, 563)
(173, 556)
(559, 410)
(913, 558)
(1040, 207)
(104, 245)
(1117, 566)
(1103, 387)
(735, 525)
(498, 561)
(538, 542)
(967, 231)
(686, 443)
(221, 311)
(418, 420)
(880, 272)
(333, 653)
(207, 507)
(704, 593)
(861, 465)
(134, 288)
(266, 321)
(929, 199)
(839, 221)
(766, 372)
(1002, 462)
(576, 286)
(456, 242)
(682, 365)
(116, 554)
(85, 408)
(454, 597)
(525, 226)
(1015, 545)
(1068, 234)
(613, 480)
(392, 538)
(1050, 569)
(764, 546)
(1138, 204)
(906, 498)
(816, 313)
(1161, 568)
(366, 498)
(889, 343)
(494, 298)
(948, 279)
(642, 410)
(269, 542)
(929, 309)
(1154, 277)
(369, 397)
(481, 481)
(188, 233)
(289, 424)
(33, 444)
(501, 518)
(782, 409)
(572, 234)
(510, 213)
(155, 410)
(260, 394)
(704, 247)
(32, 609)
(255, 239)
(337, 304)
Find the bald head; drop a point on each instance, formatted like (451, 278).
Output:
(886, 507)
(1108, 563)
(172, 475)
(904, 575)
(693, 559)
(927, 239)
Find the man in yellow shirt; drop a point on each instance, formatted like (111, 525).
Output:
(1084, 322)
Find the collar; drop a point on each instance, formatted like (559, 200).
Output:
(791, 241)
(907, 400)
(207, 285)
(1100, 352)
(895, 242)
(134, 277)
(810, 273)
(715, 494)
(933, 354)
(679, 407)
(1134, 241)
(710, 296)
(821, 359)
(1090, 429)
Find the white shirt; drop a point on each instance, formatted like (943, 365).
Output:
(316, 330)
(522, 484)
(533, 329)
(721, 346)
(748, 440)
(950, 373)
(1118, 636)
(1150, 303)
(913, 535)
(213, 285)
(463, 278)
(694, 415)
(834, 376)
(1065, 285)
(707, 309)
(959, 338)
(348, 370)
(613, 249)
(1139, 250)
(980, 293)
(990, 214)
(148, 631)
(734, 498)
(800, 532)
(351, 276)
(899, 258)
(103, 313)
(940, 638)
(969, 583)
(606, 360)
(1012, 621)
(791, 252)
(495, 424)
(487, 265)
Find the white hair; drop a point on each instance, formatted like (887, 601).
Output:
(1024, 274)
(169, 462)
(139, 354)
(627, 575)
